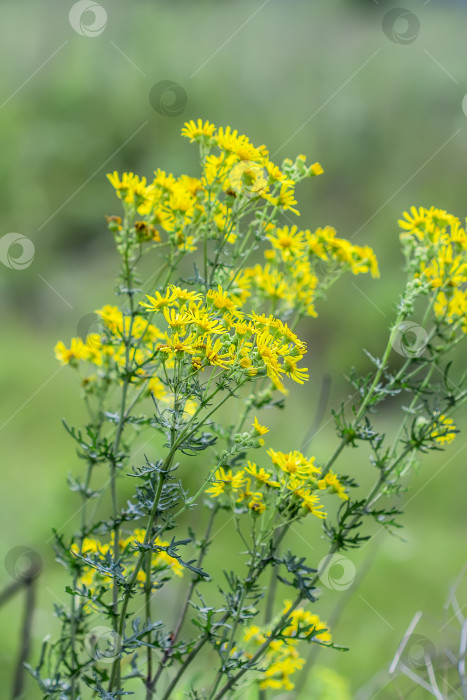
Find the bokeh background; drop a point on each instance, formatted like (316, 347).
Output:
(380, 103)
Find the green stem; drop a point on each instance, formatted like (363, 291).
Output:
(193, 583)
(127, 276)
(147, 593)
(369, 393)
(278, 627)
(194, 652)
(147, 537)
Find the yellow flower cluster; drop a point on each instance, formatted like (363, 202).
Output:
(187, 209)
(244, 169)
(196, 331)
(80, 350)
(212, 330)
(172, 204)
(445, 430)
(295, 260)
(161, 562)
(237, 177)
(291, 485)
(282, 659)
(109, 344)
(437, 244)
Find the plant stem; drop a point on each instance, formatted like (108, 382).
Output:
(147, 595)
(196, 649)
(249, 581)
(280, 624)
(129, 590)
(193, 583)
(127, 276)
(369, 393)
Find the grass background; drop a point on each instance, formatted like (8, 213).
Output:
(385, 120)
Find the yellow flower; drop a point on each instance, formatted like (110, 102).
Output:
(445, 430)
(158, 301)
(130, 187)
(156, 387)
(212, 350)
(331, 481)
(248, 178)
(289, 241)
(308, 500)
(294, 463)
(77, 351)
(220, 300)
(414, 222)
(281, 659)
(163, 559)
(175, 345)
(111, 316)
(316, 169)
(260, 430)
(446, 270)
(451, 306)
(196, 131)
(285, 200)
(276, 174)
(163, 181)
(183, 294)
(301, 617)
(299, 375)
(239, 145)
(261, 475)
(205, 322)
(175, 319)
(256, 504)
(225, 481)
(244, 491)
(252, 632)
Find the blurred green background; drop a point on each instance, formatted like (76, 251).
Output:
(380, 107)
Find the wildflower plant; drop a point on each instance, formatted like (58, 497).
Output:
(156, 379)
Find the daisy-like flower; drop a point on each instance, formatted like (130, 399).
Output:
(248, 178)
(289, 241)
(77, 351)
(331, 481)
(221, 301)
(158, 301)
(261, 475)
(198, 131)
(212, 351)
(298, 374)
(175, 345)
(225, 481)
(130, 187)
(414, 223)
(164, 181)
(256, 504)
(294, 463)
(269, 354)
(156, 387)
(111, 316)
(259, 430)
(285, 200)
(176, 319)
(308, 500)
(204, 321)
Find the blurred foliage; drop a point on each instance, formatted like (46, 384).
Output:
(326, 684)
(387, 124)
